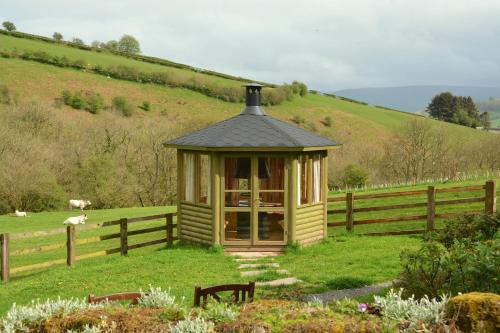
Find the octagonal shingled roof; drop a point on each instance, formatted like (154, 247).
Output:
(253, 128)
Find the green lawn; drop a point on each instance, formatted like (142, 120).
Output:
(351, 258)
(343, 261)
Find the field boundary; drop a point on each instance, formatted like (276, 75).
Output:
(71, 242)
(489, 199)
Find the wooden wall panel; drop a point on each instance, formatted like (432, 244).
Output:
(196, 223)
(310, 225)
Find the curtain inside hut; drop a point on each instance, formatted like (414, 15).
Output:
(189, 164)
(303, 171)
(316, 176)
(272, 177)
(204, 181)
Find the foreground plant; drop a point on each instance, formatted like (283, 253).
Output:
(22, 318)
(416, 313)
(196, 325)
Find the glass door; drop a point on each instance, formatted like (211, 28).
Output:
(270, 219)
(254, 200)
(237, 192)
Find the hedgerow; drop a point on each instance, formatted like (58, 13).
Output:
(270, 96)
(148, 59)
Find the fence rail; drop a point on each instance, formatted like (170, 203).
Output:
(71, 242)
(430, 204)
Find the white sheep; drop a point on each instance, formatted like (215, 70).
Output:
(74, 220)
(79, 204)
(20, 214)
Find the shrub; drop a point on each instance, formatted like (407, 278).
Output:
(5, 96)
(475, 312)
(424, 270)
(474, 267)
(219, 312)
(67, 97)
(299, 120)
(121, 104)
(156, 298)
(146, 106)
(327, 121)
(300, 88)
(95, 102)
(88, 100)
(77, 41)
(469, 229)
(469, 261)
(21, 318)
(78, 101)
(418, 313)
(197, 325)
(354, 175)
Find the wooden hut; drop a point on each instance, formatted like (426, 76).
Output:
(252, 182)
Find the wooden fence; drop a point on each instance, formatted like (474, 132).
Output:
(71, 242)
(430, 204)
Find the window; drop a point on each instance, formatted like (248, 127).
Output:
(310, 179)
(196, 180)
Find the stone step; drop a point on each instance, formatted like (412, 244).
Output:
(280, 282)
(254, 254)
(271, 264)
(253, 273)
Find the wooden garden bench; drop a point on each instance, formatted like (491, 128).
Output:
(132, 297)
(246, 290)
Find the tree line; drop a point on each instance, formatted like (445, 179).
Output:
(458, 110)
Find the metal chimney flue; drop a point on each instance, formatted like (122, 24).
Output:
(253, 100)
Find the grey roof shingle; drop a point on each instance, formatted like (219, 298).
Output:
(255, 131)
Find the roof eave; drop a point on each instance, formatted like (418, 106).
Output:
(274, 149)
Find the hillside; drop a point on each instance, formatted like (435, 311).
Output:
(125, 152)
(415, 98)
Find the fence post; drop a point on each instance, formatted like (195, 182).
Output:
(170, 230)
(490, 202)
(431, 207)
(4, 257)
(349, 201)
(70, 245)
(123, 236)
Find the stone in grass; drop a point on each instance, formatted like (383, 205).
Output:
(263, 265)
(279, 282)
(475, 312)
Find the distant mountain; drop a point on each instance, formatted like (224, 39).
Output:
(415, 98)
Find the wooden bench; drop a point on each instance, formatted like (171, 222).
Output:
(132, 297)
(246, 290)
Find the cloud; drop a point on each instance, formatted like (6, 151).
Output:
(330, 45)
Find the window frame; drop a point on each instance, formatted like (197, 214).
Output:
(197, 179)
(310, 180)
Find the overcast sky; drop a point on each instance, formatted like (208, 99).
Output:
(329, 44)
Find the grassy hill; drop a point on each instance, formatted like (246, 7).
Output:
(364, 130)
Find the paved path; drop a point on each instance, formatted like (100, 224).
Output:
(252, 261)
(350, 293)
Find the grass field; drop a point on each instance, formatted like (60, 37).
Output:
(103, 59)
(346, 260)
(182, 104)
